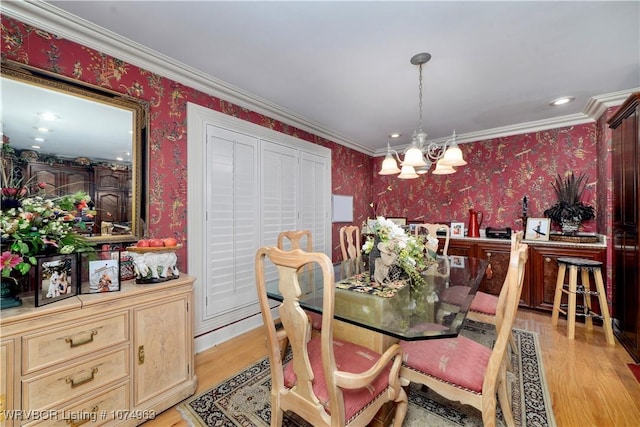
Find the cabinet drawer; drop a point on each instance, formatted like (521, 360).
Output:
(54, 388)
(95, 411)
(50, 347)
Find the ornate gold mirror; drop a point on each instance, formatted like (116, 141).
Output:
(95, 143)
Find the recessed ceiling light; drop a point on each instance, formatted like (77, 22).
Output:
(395, 135)
(562, 100)
(119, 159)
(41, 129)
(48, 116)
(39, 139)
(35, 146)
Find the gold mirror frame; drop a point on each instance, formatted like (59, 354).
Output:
(139, 110)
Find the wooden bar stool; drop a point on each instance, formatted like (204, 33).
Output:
(572, 290)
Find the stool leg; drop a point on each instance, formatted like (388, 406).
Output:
(586, 298)
(562, 268)
(571, 315)
(604, 308)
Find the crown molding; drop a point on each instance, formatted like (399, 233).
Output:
(71, 27)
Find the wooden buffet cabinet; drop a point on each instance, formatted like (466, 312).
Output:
(115, 358)
(542, 268)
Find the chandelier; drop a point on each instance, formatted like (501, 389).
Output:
(419, 156)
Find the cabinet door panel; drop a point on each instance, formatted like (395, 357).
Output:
(7, 369)
(498, 257)
(545, 273)
(162, 348)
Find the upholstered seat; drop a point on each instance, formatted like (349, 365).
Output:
(463, 370)
(484, 306)
(328, 382)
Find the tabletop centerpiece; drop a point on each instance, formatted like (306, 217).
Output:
(33, 224)
(393, 253)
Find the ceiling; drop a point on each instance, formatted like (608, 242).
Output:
(342, 69)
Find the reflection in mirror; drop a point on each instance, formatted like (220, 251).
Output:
(93, 142)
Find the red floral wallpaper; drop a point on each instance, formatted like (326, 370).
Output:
(167, 197)
(500, 171)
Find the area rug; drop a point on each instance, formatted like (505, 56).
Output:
(635, 369)
(243, 399)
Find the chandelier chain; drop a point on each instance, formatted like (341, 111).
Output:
(420, 97)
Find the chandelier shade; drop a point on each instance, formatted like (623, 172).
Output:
(419, 156)
(442, 169)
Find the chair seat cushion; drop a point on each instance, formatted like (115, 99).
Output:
(484, 303)
(315, 319)
(459, 361)
(350, 357)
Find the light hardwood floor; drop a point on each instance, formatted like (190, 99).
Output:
(589, 381)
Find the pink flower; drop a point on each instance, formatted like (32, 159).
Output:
(9, 260)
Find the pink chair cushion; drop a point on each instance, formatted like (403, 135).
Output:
(349, 358)
(484, 303)
(459, 361)
(316, 320)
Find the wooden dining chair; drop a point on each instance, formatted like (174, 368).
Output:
(328, 382)
(432, 230)
(463, 370)
(484, 306)
(350, 242)
(295, 238)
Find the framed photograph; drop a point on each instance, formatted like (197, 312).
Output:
(100, 271)
(537, 229)
(457, 261)
(57, 278)
(457, 229)
(401, 221)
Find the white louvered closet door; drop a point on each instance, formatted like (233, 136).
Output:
(280, 189)
(232, 224)
(314, 216)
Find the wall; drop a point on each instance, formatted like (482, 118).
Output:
(167, 170)
(499, 173)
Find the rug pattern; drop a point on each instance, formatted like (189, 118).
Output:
(243, 400)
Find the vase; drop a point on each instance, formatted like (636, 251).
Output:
(373, 255)
(9, 293)
(570, 226)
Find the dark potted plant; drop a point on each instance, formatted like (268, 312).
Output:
(569, 212)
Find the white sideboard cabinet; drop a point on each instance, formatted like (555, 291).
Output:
(115, 358)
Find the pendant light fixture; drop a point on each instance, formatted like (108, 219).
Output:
(419, 156)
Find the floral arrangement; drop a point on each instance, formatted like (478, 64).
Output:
(414, 254)
(31, 224)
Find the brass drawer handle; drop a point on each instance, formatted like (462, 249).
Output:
(140, 355)
(73, 344)
(547, 259)
(75, 384)
(85, 418)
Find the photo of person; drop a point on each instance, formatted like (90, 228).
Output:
(538, 229)
(103, 275)
(57, 276)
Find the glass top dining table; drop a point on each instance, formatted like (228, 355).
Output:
(405, 311)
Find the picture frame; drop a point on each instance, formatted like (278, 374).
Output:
(57, 278)
(398, 220)
(457, 230)
(456, 261)
(100, 271)
(538, 229)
